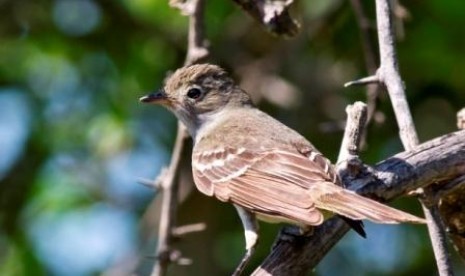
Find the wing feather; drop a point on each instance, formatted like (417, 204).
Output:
(265, 182)
(354, 206)
(285, 184)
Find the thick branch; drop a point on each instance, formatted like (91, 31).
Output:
(438, 160)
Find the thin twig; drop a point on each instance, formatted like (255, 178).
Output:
(363, 81)
(389, 75)
(196, 52)
(157, 183)
(437, 235)
(369, 53)
(153, 184)
(188, 229)
(168, 208)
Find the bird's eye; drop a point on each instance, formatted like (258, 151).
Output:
(194, 93)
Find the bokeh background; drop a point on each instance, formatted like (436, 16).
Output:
(74, 140)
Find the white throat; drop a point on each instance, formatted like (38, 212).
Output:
(206, 122)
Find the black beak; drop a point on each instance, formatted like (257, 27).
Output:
(158, 97)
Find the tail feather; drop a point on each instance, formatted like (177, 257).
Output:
(349, 204)
(356, 225)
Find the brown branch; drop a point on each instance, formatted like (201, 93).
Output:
(348, 162)
(440, 159)
(196, 52)
(389, 75)
(168, 208)
(274, 15)
(356, 119)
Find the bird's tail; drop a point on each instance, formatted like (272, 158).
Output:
(349, 204)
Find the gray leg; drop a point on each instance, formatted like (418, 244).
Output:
(250, 225)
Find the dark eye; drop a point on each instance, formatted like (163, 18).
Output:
(194, 93)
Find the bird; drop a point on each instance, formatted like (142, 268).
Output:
(267, 170)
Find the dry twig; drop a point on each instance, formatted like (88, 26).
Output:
(196, 52)
(168, 209)
(369, 50)
(388, 74)
(274, 15)
(348, 163)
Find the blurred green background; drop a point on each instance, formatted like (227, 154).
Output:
(74, 139)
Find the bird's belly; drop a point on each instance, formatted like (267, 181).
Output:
(280, 219)
(277, 219)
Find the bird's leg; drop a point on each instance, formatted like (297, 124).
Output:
(250, 225)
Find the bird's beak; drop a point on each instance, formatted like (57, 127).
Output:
(157, 97)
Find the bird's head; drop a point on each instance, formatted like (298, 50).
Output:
(197, 92)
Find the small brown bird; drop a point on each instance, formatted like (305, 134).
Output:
(267, 170)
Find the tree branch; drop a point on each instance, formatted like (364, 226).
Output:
(369, 53)
(274, 15)
(434, 161)
(389, 75)
(168, 208)
(196, 52)
(348, 162)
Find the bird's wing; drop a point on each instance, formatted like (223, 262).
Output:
(284, 184)
(271, 182)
